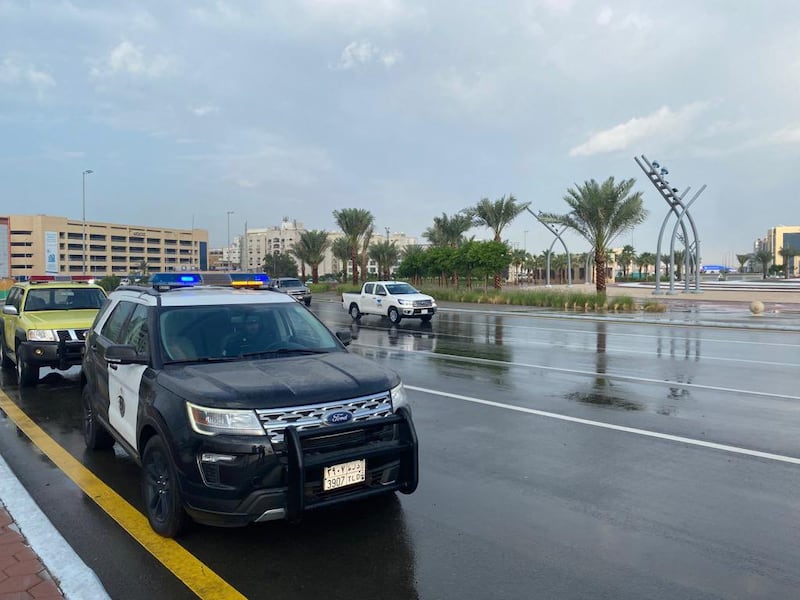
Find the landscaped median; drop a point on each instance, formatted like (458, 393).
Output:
(571, 300)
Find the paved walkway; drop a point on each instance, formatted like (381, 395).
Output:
(33, 555)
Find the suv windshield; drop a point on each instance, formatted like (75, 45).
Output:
(190, 333)
(64, 299)
(290, 283)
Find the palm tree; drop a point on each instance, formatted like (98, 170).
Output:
(341, 250)
(448, 231)
(645, 260)
(412, 265)
(518, 258)
(763, 256)
(385, 253)
(600, 213)
(496, 216)
(743, 260)
(310, 249)
(787, 253)
(625, 258)
(357, 226)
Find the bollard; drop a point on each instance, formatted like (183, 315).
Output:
(757, 307)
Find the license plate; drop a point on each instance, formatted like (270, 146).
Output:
(345, 474)
(424, 311)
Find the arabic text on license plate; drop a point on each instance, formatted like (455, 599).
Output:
(424, 311)
(344, 474)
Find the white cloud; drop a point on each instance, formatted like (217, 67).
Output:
(127, 58)
(202, 111)
(788, 135)
(363, 53)
(607, 18)
(13, 73)
(605, 15)
(664, 123)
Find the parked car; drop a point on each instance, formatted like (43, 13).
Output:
(241, 406)
(292, 286)
(44, 325)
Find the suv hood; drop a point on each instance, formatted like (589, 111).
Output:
(60, 319)
(276, 382)
(413, 297)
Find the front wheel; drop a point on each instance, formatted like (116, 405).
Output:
(307, 301)
(162, 496)
(4, 360)
(426, 318)
(354, 312)
(394, 316)
(27, 374)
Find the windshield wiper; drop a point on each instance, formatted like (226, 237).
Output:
(284, 351)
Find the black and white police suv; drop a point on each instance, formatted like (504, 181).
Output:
(240, 405)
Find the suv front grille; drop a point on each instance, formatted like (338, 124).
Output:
(423, 303)
(275, 420)
(71, 335)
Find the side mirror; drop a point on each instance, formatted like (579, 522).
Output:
(125, 355)
(9, 309)
(344, 336)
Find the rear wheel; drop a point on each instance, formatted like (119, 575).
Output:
(354, 312)
(27, 374)
(394, 316)
(95, 436)
(162, 498)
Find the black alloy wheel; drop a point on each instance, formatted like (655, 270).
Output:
(162, 498)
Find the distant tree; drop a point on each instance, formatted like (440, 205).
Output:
(412, 264)
(341, 250)
(679, 257)
(625, 258)
(644, 261)
(385, 253)
(497, 215)
(280, 265)
(518, 258)
(787, 253)
(763, 257)
(448, 231)
(310, 248)
(600, 213)
(357, 224)
(743, 260)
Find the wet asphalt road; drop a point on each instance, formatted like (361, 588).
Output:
(559, 459)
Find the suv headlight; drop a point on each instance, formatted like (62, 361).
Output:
(42, 335)
(215, 421)
(404, 302)
(399, 398)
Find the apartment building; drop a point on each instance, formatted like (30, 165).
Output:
(44, 244)
(780, 237)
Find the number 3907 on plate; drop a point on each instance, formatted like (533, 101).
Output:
(344, 474)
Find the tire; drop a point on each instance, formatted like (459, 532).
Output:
(27, 374)
(307, 301)
(354, 312)
(394, 316)
(426, 318)
(95, 436)
(5, 362)
(162, 497)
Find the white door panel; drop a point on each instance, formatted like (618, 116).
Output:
(123, 392)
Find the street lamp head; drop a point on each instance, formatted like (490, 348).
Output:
(656, 165)
(88, 172)
(664, 171)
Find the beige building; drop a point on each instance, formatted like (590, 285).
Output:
(49, 245)
(280, 239)
(784, 236)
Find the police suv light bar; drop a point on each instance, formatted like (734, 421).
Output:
(249, 280)
(168, 281)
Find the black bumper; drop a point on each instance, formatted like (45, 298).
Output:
(391, 465)
(59, 355)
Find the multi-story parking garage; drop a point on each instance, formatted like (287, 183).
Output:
(44, 244)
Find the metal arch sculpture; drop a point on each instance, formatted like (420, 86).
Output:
(681, 212)
(556, 233)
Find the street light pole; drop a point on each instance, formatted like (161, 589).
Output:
(228, 247)
(83, 236)
(525, 241)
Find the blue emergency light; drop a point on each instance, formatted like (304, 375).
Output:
(166, 281)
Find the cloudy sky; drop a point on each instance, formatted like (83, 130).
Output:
(272, 109)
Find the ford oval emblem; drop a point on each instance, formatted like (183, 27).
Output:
(338, 417)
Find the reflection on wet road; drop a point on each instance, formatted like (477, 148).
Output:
(559, 458)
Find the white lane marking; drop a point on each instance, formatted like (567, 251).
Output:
(643, 432)
(74, 577)
(631, 378)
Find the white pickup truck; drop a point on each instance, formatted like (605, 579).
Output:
(394, 299)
